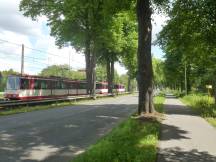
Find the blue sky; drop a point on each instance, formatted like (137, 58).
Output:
(157, 52)
(16, 28)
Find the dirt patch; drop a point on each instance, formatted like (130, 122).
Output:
(149, 117)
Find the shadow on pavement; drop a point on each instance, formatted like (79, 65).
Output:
(177, 155)
(179, 110)
(170, 132)
(58, 138)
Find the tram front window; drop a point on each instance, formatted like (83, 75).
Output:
(13, 83)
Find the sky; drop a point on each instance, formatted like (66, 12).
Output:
(39, 47)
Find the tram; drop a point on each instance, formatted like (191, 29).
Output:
(28, 87)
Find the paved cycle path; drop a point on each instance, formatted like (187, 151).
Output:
(185, 137)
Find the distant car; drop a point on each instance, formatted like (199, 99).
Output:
(35, 87)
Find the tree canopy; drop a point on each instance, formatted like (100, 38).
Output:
(188, 40)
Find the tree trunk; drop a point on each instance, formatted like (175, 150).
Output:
(112, 76)
(108, 68)
(88, 65)
(109, 76)
(188, 78)
(144, 59)
(214, 87)
(129, 83)
(93, 68)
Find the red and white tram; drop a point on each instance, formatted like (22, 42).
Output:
(35, 87)
(119, 88)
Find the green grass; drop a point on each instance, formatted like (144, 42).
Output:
(24, 109)
(158, 102)
(1, 95)
(134, 140)
(202, 104)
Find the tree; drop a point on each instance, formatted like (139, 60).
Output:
(113, 41)
(4, 75)
(79, 23)
(62, 71)
(144, 59)
(74, 22)
(158, 69)
(101, 73)
(129, 52)
(189, 44)
(145, 72)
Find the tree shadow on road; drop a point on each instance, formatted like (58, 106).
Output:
(59, 138)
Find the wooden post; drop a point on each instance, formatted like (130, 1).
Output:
(185, 79)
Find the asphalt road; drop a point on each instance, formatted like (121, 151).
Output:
(57, 135)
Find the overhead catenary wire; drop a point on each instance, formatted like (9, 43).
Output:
(32, 62)
(37, 50)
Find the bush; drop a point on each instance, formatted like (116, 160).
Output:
(204, 105)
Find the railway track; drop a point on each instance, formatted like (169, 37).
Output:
(18, 103)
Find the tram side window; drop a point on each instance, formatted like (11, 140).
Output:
(99, 86)
(37, 84)
(116, 86)
(24, 84)
(82, 86)
(63, 85)
(49, 84)
(53, 84)
(73, 85)
(66, 85)
(57, 85)
(44, 84)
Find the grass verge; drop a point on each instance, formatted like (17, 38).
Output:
(24, 109)
(158, 102)
(134, 140)
(1, 95)
(202, 104)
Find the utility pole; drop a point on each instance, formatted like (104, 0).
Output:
(69, 60)
(22, 60)
(185, 78)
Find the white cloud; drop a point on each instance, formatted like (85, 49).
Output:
(120, 69)
(11, 19)
(159, 20)
(16, 28)
(61, 56)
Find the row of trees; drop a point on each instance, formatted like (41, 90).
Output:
(66, 72)
(189, 42)
(106, 31)
(101, 29)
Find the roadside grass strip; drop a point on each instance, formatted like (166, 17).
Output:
(203, 105)
(25, 109)
(158, 102)
(134, 140)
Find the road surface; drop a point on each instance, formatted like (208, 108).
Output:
(57, 135)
